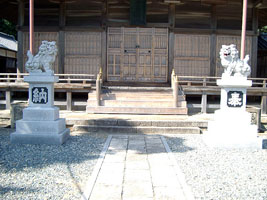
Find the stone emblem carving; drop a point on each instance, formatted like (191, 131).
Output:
(43, 60)
(231, 63)
(40, 95)
(235, 99)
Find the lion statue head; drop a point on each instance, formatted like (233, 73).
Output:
(231, 63)
(44, 59)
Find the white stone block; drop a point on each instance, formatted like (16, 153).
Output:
(40, 127)
(232, 130)
(41, 113)
(41, 78)
(54, 139)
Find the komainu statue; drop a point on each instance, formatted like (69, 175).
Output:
(43, 60)
(233, 66)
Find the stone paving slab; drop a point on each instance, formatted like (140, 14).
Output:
(137, 167)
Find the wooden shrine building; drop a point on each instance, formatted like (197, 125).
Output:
(137, 41)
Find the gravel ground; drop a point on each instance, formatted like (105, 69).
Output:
(47, 171)
(221, 174)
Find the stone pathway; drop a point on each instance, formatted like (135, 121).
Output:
(137, 167)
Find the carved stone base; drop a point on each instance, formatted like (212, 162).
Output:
(41, 123)
(232, 129)
(37, 138)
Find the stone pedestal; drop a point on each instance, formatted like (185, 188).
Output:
(41, 123)
(232, 127)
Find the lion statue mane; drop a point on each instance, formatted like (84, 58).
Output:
(231, 63)
(43, 60)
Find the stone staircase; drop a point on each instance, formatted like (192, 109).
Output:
(132, 126)
(136, 100)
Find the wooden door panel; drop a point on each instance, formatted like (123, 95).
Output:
(143, 54)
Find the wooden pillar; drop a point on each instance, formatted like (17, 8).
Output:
(244, 25)
(254, 52)
(171, 40)
(31, 23)
(171, 54)
(8, 100)
(69, 100)
(21, 15)
(175, 92)
(171, 15)
(104, 54)
(61, 45)
(204, 100)
(264, 101)
(98, 92)
(213, 42)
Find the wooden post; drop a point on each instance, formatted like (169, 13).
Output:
(172, 78)
(175, 92)
(204, 98)
(21, 9)
(264, 101)
(31, 32)
(61, 45)
(8, 100)
(244, 24)
(69, 100)
(98, 91)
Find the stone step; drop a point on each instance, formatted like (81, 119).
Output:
(137, 110)
(137, 123)
(136, 130)
(136, 103)
(137, 89)
(133, 96)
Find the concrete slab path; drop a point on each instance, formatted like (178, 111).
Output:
(137, 167)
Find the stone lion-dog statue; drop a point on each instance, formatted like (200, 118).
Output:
(43, 60)
(233, 66)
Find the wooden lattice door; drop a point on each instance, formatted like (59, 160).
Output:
(137, 54)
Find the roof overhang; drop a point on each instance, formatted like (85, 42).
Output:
(7, 53)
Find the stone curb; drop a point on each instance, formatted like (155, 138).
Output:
(91, 182)
(181, 178)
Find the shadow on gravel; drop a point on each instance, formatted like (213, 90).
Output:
(4, 190)
(66, 159)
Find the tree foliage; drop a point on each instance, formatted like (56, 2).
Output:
(8, 27)
(263, 29)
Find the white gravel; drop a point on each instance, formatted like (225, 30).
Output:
(221, 174)
(47, 171)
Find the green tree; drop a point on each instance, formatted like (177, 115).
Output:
(263, 29)
(8, 27)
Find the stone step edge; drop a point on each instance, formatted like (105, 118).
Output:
(128, 129)
(138, 110)
(136, 123)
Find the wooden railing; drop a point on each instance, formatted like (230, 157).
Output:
(205, 85)
(63, 78)
(68, 83)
